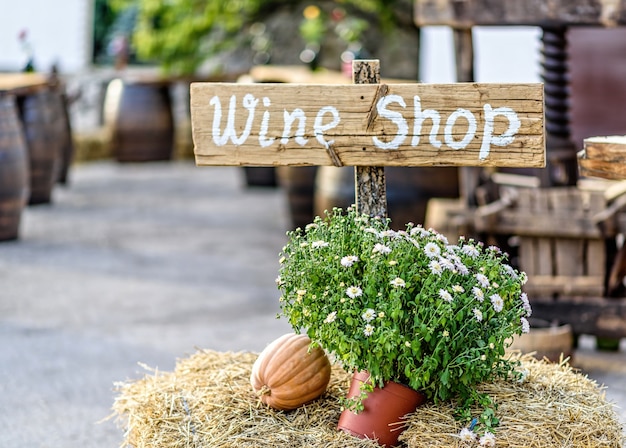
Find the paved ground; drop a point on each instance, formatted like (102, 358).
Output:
(143, 263)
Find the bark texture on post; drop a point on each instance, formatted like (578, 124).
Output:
(370, 185)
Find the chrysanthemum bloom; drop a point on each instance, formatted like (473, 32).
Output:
(435, 267)
(388, 234)
(354, 291)
(368, 330)
(458, 289)
(488, 439)
(349, 260)
(419, 231)
(467, 435)
(368, 315)
(497, 302)
(445, 295)
(525, 325)
(381, 249)
(478, 314)
(526, 304)
(319, 243)
(470, 251)
(331, 317)
(398, 283)
(478, 293)
(432, 250)
(482, 280)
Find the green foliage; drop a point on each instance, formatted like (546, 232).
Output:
(181, 34)
(405, 306)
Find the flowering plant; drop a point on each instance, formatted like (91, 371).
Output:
(405, 306)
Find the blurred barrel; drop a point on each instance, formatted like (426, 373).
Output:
(408, 190)
(67, 142)
(14, 180)
(139, 114)
(299, 185)
(43, 131)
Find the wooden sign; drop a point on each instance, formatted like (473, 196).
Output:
(466, 124)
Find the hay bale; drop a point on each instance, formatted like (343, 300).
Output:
(208, 402)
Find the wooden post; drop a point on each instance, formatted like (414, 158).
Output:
(370, 190)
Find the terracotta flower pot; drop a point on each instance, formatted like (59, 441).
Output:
(383, 411)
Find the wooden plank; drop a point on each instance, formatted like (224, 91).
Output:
(370, 186)
(368, 125)
(569, 252)
(595, 315)
(468, 13)
(22, 83)
(609, 149)
(601, 168)
(565, 285)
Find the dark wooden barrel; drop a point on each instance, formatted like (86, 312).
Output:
(299, 185)
(42, 128)
(408, 190)
(14, 180)
(67, 145)
(141, 120)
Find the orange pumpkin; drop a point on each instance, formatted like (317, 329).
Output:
(288, 374)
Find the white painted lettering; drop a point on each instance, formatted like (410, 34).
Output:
(396, 118)
(420, 116)
(263, 140)
(469, 134)
(498, 140)
(297, 114)
(319, 128)
(249, 102)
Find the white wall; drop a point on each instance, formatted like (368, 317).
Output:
(501, 54)
(60, 31)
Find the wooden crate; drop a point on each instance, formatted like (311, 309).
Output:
(563, 236)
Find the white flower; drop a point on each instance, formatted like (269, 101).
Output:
(398, 283)
(446, 264)
(419, 231)
(482, 280)
(279, 281)
(470, 250)
(319, 243)
(331, 317)
(368, 315)
(478, 314)
(445, 333)
(368, 330)
(508, 270)
(349, 260)
(523, 376)
(445, 295)
(478, 293)
(310, 227)
(301, 292)
(525, 325)
(354, 291)
(432, 250)
(381, 249)
(388, 234)
(304, 244)
(458, 289)
(461, 268)
(371, 230)
(442, 238)
(497, 302)
(467, 435)
(435, 267)
(488, 439)
(526, 304)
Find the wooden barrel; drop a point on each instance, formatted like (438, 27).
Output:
(408, 190)
(65, 131)
(546, 340)
(14, 180)
(140, 117)
(42, 128)
(299, 185)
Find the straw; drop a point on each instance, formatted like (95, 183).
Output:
(207, 401)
